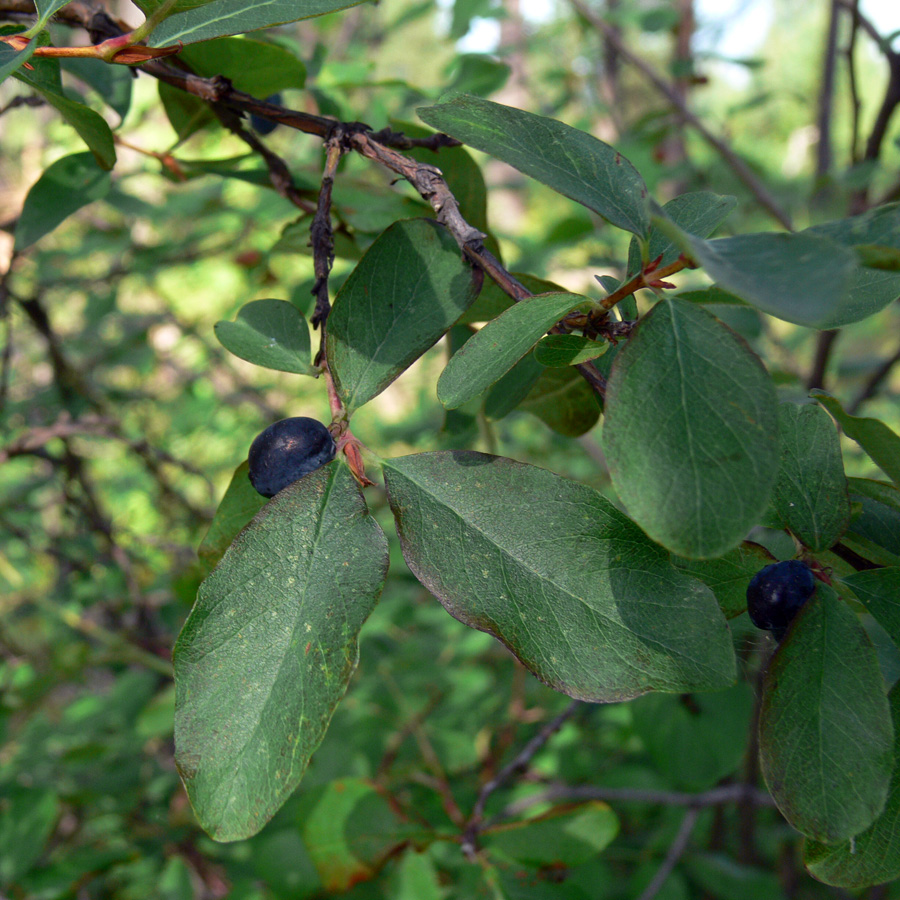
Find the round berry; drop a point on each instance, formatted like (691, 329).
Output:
(286, 451)
(777, 593)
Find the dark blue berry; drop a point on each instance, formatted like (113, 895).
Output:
(777, 593)
(265, 126)
(286, 451)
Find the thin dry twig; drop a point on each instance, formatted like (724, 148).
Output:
(876, 379)
(718, 796)
(676, 851)
(321, 236)
(514, 767)
(853, 83)
(737, 165)
(824, 347)
(65, 426)
(824, 150)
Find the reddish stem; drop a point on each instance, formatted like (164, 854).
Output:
(650, 277)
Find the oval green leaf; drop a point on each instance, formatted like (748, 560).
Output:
(45, 9)
(223, 17)
(810, 495)
(695, 741)
(879, 442)
(690, 431)
(569, 839)
(870, 289)
(408, 289)
(873, 856)
(557, 350)
(112, 83)
(879, 591)
(802, 278)
(240, 503)
(570, 161)
(91, 127)
(496, 348)
(553, 570)
(874, 530)
(63, 188)
(728, 575)
(507, 393)
(269, 647)
(563, 401)
(256, 67)
(269, 333)
(825, 732)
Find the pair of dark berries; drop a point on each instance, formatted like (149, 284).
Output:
(777, 593)
(292, 448)
(286, 451)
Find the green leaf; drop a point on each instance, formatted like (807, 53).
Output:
(570, 161)
(112, 83)
(557, 350)
(728, 575)
(256, 67)
(563, 840)
(90, 126)
(416, 878)
(224, 17)
(698, 740)
(240, 503)
(65, 187)
(492, 300)
(476, 73)
(150, 6)
(507, 393)
(563, 401)
(874, 530)
(269, 333)
(269, 647)
(407, 290)
(45, 9)
(27, 818)
(879, 442)
(282, 863)
(802, 278)
(879, 591)
(372, 831)
(186, 113)
(241, 168)
(690, 431)
(711, 296)
(873, 856)
(810, 495)
(348, 833)
(698, 213)
(11, 60)
(870, 289)
(553, 570)
(496, 348)
(720, 876)
(825, 730)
